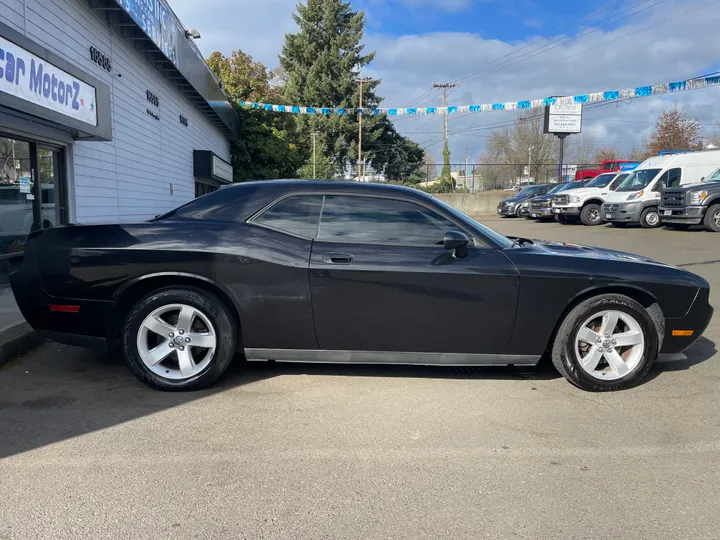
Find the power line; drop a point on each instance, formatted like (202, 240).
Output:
(460, 79)
(564, 40)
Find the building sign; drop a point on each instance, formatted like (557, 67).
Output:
(30, 78)
(155, 18)
(207, 165)
(222, 169)
(152, 98)
(101, 59)
(563, 119)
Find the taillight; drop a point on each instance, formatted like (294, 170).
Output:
(64, 308)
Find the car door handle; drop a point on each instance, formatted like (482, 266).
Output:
(337, 258)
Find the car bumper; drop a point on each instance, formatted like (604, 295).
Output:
(567, 210)
(696, 319)
(538, 213)
(690, 215)
(622, 212)
(88, 326)
(506, 210)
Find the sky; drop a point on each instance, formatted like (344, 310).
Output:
(503, 50)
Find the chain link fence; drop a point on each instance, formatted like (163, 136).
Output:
(492, 176)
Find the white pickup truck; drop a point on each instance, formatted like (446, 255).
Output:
(585, 203)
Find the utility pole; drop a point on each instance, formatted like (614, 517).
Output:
(444, 87)
(359, 162)
(313, 140)
(465, 177)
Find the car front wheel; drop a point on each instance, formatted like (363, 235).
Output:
(591, 215)
(179, 339)
(607, 342)
(712, 218)
(650, 218)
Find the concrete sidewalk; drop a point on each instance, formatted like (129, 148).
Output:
(16, 336)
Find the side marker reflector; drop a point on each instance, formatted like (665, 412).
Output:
(63, 308)
(683, 333)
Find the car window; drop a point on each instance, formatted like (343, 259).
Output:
(714, 177)
(374, 220)
(298, 214)
(601, 180)
(674, 176)
(610, 166)
(618, 180)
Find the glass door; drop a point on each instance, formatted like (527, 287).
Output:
(16, 197)
(26, 204)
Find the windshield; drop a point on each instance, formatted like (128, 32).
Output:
(638, 179)
(601, 181)
(557, 188)
(528, 191)
(570, 185)
(714, 177)
(496, 237)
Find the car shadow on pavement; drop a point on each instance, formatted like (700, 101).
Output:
(59, 392)
(703, 349)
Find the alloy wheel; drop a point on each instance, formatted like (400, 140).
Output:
(716, 218)
(609, 345)
(176, 341)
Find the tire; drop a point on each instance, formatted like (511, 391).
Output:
(568, 348)
(518, 210)
(563, 220)
(590, 215)
(712, 218)
(650, 218)
(619, 224)
(677, 226)
(210, 323)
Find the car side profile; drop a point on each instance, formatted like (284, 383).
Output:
(350, 272)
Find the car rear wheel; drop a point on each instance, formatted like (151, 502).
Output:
(650, 218)
(179, 339)
(607, 342)
(591, 215)
(712, 218)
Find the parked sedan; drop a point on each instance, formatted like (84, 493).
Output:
(512, 207)
(349, 272)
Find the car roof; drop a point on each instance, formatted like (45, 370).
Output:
(290, 185)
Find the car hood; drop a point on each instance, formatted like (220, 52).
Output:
(586, 191)
(577, 250)
(513, 200)
(710, 186)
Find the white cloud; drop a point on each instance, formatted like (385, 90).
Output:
(627, 56)
(258, 28)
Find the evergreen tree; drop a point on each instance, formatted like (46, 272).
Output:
(322, 63)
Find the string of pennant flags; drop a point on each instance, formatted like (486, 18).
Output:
(596, 97)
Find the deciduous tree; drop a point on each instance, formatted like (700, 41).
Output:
(675, 130)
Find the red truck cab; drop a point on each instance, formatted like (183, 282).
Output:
(607, 166)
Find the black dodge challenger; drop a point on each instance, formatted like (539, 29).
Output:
(319, 271)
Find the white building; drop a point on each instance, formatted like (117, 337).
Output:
(108, 112)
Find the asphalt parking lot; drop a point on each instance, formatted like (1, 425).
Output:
(303, 451)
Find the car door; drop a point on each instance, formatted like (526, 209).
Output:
(381, 280)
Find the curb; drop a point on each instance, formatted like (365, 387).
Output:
(18, 340)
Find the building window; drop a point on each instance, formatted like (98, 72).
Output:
(202, 188)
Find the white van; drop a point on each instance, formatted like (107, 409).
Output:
(637, 198)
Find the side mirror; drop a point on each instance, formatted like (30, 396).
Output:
(458, 242)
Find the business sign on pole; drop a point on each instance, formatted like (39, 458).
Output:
(32, 79)
(526, 170)
(156, 20)
(563, 119)
(570, 170)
